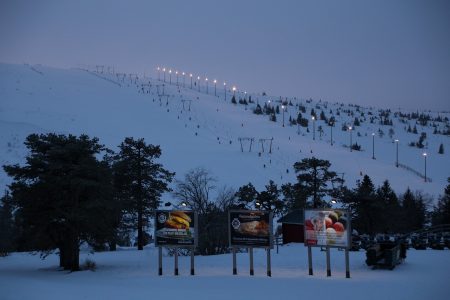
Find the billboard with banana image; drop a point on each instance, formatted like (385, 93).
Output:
(175, 228)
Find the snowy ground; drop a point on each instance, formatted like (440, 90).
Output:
(131, 274)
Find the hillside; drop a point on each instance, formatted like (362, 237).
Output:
(196, 129)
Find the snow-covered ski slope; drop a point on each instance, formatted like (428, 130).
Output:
(196, 129)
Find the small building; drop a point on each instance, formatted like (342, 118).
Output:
(292, 227)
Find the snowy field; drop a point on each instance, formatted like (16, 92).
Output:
(132, 274)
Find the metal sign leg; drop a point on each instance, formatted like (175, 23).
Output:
(328, 262)
(347, 264)
(310, 261)
(252, 272)
(176, 262)
(159, 261)
(234, 262)
(192, 261)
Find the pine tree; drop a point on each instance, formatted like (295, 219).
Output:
(441, 149)
(390, 214)
(63, 195)
(441, 212)
(313, 174)
(269, 199)
(140, 181)
(7, 228)
(246, 195)
(233, 100)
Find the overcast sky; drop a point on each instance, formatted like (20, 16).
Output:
(380, 53)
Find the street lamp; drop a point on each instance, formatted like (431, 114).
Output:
(198, 82)
(190, 75)
(396, 153)
(176, 72)
(283, 107)
(184, 79)
(225, 90)
(159, 69)
(373, 145)
(425, 157)
(234, 91)
(215, 85)
(164, 70)
(170, 76)
(206, 79)
(314, 127)
(350, 129)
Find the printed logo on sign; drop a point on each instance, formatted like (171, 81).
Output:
(235, 223)
(162, 218)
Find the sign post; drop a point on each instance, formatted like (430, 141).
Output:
(328, 262)
(252, 271)
(310, 261)
(347, 264)
(159, 261)
(177, 229)
(234, 261)
(329, 228)
(250, 229)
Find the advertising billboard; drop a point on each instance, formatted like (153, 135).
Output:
(175, 228)
(327, 228)
(250, 228)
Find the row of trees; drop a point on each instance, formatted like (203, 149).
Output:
(74, 190)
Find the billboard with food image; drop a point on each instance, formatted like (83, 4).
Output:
(175, 228)
(327, 228)
(250, 228)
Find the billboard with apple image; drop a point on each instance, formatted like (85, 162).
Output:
(327, 228)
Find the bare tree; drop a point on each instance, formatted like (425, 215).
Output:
(196, 190)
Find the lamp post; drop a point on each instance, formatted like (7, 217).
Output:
(314, 127)
(176, 73)
(198, 83)
(190, 75)
(373, 145)
(350, 129)
(396, 153)
(283, 107)
(207, 86)
(225, 90)
(159, 70)
(164, 70)
(425, 160)
(215, 86)
(234, 91)
(170, 76)
(184, 79)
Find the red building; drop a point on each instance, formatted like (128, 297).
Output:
(292, 227)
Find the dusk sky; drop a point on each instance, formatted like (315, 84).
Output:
(373, 53)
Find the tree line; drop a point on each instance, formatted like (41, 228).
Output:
(73, 190)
